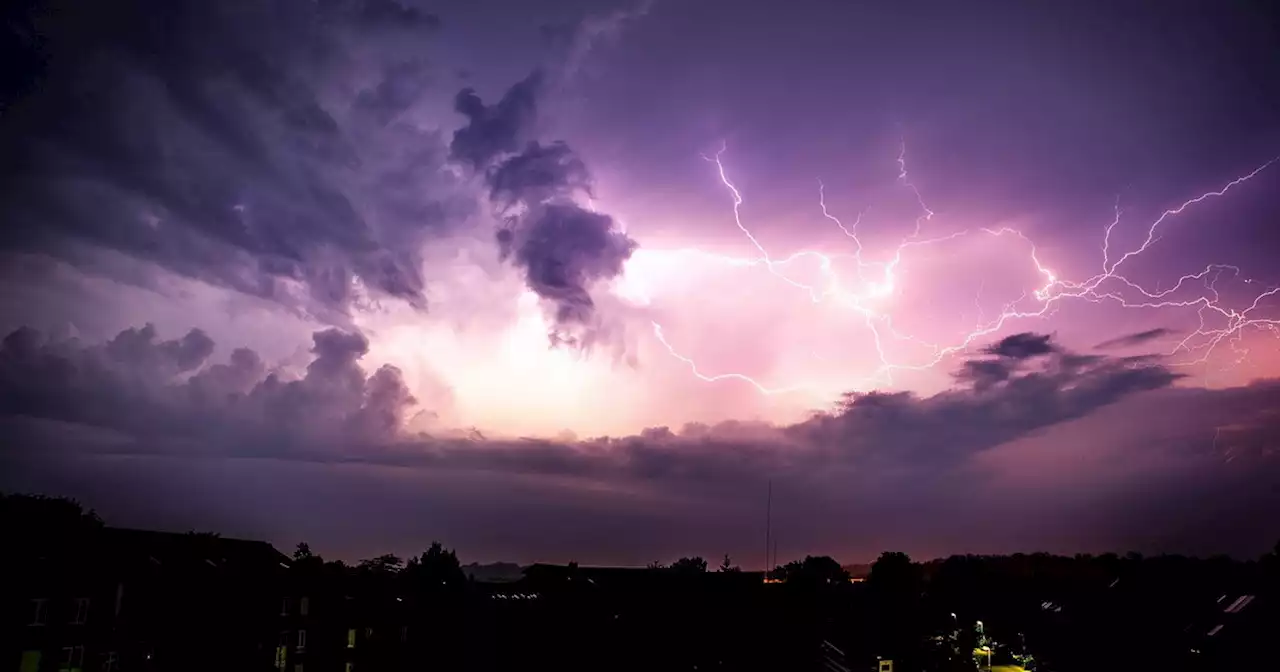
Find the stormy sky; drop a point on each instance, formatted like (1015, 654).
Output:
(571, 280)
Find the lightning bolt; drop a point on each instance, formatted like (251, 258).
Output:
(926, 213)
(876, 280)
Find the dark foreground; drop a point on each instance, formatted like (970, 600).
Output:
(77, 595)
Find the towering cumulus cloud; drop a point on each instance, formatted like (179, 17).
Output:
(562, 247)
(267, 147)
(168, 393)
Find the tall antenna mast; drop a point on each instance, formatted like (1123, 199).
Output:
(768, 522)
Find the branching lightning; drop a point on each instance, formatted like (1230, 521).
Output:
(876, 280)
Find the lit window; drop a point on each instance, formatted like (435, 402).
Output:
(282, 651)
(284, 607)
(351, 638)
(302, 640)
(404, 633)
(72, 658)
(30, 661)
(38, 611)
(304, 606)
(82, 611)
(1242, 602)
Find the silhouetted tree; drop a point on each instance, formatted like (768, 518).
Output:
(1270, 566)
(306, 561)
(656, 565)
(436, 566)
(690, 565)
(36, 512)
(893, 574)
(1272, 558)
(813, 570)
(895, 585)
(38, 524)
(381, 565)
(727, 565)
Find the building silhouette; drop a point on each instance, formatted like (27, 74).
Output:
(119, 599)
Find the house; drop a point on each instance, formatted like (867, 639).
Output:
(111, 598)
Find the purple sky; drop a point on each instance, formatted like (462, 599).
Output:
(555, 281)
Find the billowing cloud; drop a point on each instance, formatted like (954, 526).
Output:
(497, 129)
(167, 391)
(563, 248)
(258, 146)
(160, 391)
(143, 397)
(538, 174)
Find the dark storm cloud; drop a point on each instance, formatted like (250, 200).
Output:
(1021, 346)
(401, 86)
(138, 348)
(538, 174)
(253, 145)
(384, 12)
(167, 391)
(983, 373)
(1131, 340)
(563, 251)
(562, 247)
(494, 130)
(162, 390)
(140, 397)
(1010, 353)
(1000, 400)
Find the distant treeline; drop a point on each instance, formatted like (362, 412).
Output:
(1166, 612)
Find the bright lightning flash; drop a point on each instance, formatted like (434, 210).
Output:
(876, 281)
